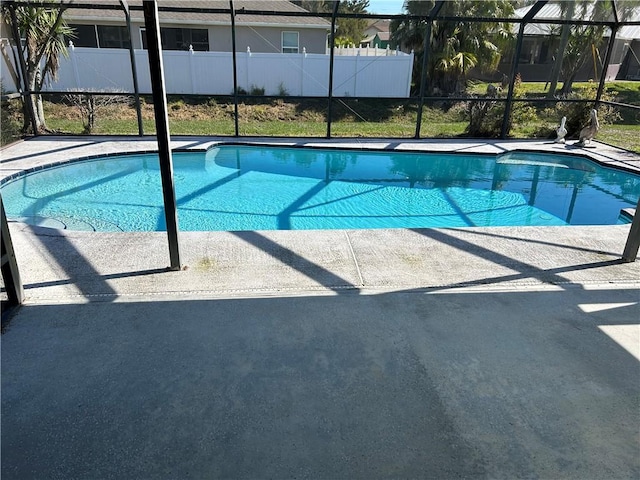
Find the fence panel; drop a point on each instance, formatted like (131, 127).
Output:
(177, 72)
(314, 80)
(210, 73)
(95, 69)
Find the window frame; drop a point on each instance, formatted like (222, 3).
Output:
(123, 36)
(206, 46)
(74, 40)
(290, 49)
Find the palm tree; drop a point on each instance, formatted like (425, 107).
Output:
(455, 46)
(579, 40)
(351, 30)
(317, 6)
(567, 14)
(43, 30)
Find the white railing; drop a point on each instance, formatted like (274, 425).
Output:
(369, 52)
(210, 73)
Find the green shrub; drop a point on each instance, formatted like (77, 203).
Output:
(486, 117)
(177, 105)
(10, 128)
(10, 112)
(579, 114)
(255, 90)
(282, 90)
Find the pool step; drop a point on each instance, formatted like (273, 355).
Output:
(628, 213)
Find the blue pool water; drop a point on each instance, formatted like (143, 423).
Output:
(256, 188)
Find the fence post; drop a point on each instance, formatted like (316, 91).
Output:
(248, 65)
(409, 72)
(304, 55)
(355, 76)
(74, 64)
(192, 71)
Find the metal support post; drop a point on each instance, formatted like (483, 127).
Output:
(134, 70)
(332, 40)
(514, 69)
(10, 273)
(633, 240)
(235, 67)
(512, 81)
(425, 54)
(605, 67)
(156, 70)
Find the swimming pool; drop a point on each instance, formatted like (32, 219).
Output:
(235, 187)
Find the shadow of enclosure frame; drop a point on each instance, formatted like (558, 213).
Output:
(10, 271)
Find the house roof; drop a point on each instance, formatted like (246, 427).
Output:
(379, 25)
(552, 11)
(208, 18)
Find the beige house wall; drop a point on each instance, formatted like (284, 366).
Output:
(259, 39)
(265, 39)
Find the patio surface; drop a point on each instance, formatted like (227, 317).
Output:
(430, 353)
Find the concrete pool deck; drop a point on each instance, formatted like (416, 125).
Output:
(431, 353)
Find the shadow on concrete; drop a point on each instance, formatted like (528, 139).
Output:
(110, 276)
(525, 270)
(402, 385)
(79, 270)
(538, 242)
(55, 150)
(310, 269)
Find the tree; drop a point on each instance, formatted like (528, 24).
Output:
(351, 30)
(567, 14)
(580, 40)
(89, 106)
(43, 30)
(455, 47)
(317, 6)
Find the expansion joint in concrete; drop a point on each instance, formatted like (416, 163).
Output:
(355, 260)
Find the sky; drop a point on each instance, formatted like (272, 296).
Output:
(385, 6)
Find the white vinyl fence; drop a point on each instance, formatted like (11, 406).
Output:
(210, 73)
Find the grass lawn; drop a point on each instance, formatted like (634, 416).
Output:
(623, 136)
(624, 91)
(374, 118)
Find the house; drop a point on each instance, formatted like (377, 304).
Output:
(541, 40)
(377, 34)
(203, 31)
(288, 53)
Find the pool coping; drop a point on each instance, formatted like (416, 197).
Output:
(63, 265)
(603, 154)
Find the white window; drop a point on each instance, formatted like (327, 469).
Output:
(290, 42)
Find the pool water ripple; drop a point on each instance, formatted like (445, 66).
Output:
(258, 188)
